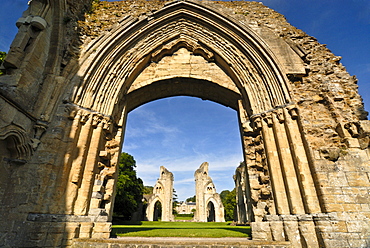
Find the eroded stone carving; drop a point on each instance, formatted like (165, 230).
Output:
(29, 28)
(19, 145)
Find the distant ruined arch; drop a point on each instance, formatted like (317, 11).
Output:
(67, 92)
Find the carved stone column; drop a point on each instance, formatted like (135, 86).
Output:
(72, 139)
(291, 179)
(289, 175)
(301, 163)
(78, 160)
(276, 175)
(84, 192)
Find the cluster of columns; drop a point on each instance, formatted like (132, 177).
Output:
(91, 168)
(287, 161)
(292, 182)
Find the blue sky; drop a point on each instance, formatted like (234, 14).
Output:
(180, 133)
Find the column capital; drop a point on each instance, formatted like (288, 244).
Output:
(256, 122)
(268, 119)
(279, 115)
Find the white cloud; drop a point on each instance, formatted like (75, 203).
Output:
(146, 123)
(185, 181)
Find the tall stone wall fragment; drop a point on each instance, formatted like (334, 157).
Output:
(162, 193)
(209, 206)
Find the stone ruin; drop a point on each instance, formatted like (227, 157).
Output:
(209, 207)
(243, 214)
(186, 207)
(73, 73)
(163, 193)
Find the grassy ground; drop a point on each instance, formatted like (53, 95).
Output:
(180, 229)
(183, 218)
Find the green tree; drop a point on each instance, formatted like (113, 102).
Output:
(228, 199)
(174, 202)
(2, 57)
(148, 190)
(129, 188)
(191, 199)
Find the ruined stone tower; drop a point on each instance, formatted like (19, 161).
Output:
(163, 193)
(209, 205)
(73, 73)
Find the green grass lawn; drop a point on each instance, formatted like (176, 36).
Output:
(183, 218)
(180, 229)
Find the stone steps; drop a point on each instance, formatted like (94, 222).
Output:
(176, 242)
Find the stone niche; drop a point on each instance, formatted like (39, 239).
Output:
(76, 69)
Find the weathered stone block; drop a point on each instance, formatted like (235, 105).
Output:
(355, 226)
(277, 231)
(357, 179)
(261, 231)
(339, 226)
(334, 207)
(102, 227)
(54, 240)
(336, 243)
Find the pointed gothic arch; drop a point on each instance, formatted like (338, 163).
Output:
(108, 83)
(126, 52)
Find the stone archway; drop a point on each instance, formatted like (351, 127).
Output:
(304, 130)
(157, 214)
(211, 214)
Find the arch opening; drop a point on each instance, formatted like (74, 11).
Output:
(257, 90)
(157, 214)
(180, 133)
(211, 213)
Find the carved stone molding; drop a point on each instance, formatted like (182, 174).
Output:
(17, 142)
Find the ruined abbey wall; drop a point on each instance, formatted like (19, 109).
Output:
(209, 207)
(74, 72)
(163, 193)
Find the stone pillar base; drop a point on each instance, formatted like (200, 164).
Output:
(53, 230)
(261, 231)
(299, 230)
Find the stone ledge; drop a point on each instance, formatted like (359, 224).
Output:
(58, 218)
(178, 242)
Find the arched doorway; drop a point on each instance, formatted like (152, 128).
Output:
(211, 215)
(157, 215)
(180, 133)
